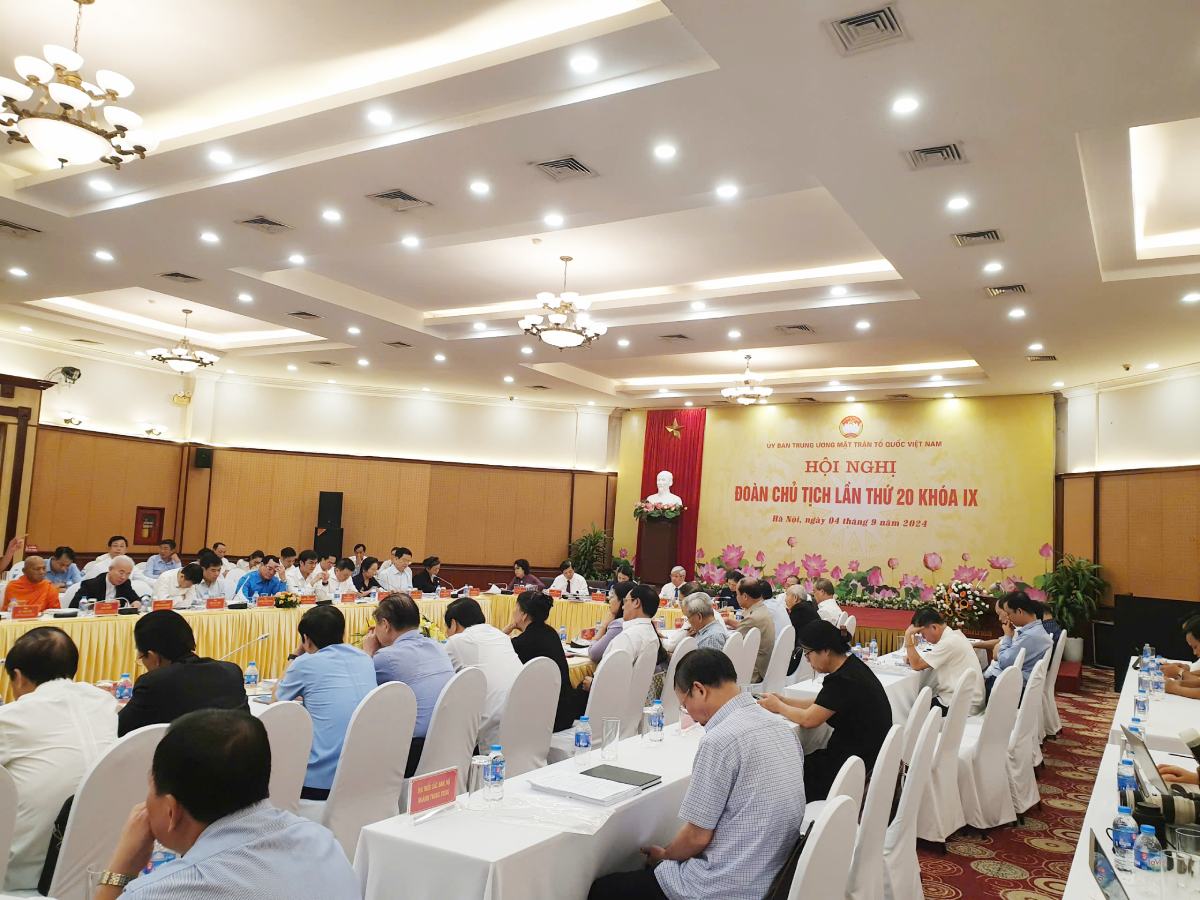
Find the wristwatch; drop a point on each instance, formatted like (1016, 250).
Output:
(115, 879)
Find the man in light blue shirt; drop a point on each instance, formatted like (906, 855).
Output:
(709, 631)
(62, 571)
(332, 678)
(166, 560)
(207, 801)
(1023, 631)
(401, 653)
(262, 580)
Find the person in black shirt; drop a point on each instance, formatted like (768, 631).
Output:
(852, 701)
(427, 580)
(727, 596)
(365, 579)
(539, 639)
(801, 611)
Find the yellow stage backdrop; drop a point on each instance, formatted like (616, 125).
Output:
(870, 481)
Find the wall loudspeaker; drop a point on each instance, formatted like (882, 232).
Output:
(203, 458)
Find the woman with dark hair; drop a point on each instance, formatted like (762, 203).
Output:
(524, 579)
(852, 702)
(365, 579)
(427, 580)
(611, 626)
(536, 639)
(622, 574)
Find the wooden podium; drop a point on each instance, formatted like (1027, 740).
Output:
(657, 551)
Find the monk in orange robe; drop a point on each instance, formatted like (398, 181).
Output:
(32, 588)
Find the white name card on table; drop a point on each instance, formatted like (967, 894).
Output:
(430, 794)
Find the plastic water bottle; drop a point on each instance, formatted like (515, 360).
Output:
(583, 738)
(1126, 777)
(1158, 680)
(493, 775)
(1147, 851)
(160, 856)
(858, 650)
(1124, 833)
(562, 633)
(874, 649)
(1141, 705)
(252, 675)
(1144, 684)
(125, 687)
(656, 721)
(1145, 652)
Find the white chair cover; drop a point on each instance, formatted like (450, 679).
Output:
(94, 568)
(866, 865)
(106, 795)
(942, 811)
(1023, 743)
(902, 870)
(851, 624)
(841, 620)
(142, 587)
(916, 718)
(733, 649)
(824, 865)
(804, 672)
(1051, 723)
(69, 594)
(8, 819)
(775, 678)
(289, 730)
(850, 781)
(17, 570)
(370, 773)
(639, 687)
(751, 642)
(139, 570)
(454, 726)
(669, 700)
(607, 699)
(983, 756)
(527, 721)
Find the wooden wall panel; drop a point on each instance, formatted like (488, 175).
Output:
(1079, 516)
(1113, 531)
(589, 499)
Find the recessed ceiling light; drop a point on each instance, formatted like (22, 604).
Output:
(363, 361)
(948, 396)
(697, 305)
(139, 352)
(584, 63)
(17, 272)
(210, 237)
(100, 185)
(26, 329)
(410, 240)
(935, 377)
(623, 342)
(245, 298)
(957, 203)
(553, 220)
(665, 151)
(331, 381)
(296, 259)
(902, 106)
(1190, 298)
(1151, 366)
(591, 403)
(291, 368)
(993, 267)
(1057, 384)
(479, 326)
(727, 191)
(480, 188)
(664, 390)
(688, 403)
(439, 357)
(424, 388)
(508, 379)
(1016, 313)
(231, 371)
(734, 334)
(862, 325)
(850, 398)
(220, 157)
(103, 256)
(839, 290)
(353, 329)
(528, 351)
(379, 117)
(1035, 348)
(331, 215)
(834, 383)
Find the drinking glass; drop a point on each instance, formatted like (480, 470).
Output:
(1181, 875)
(611, 737)
(92, 881)
(475, 798)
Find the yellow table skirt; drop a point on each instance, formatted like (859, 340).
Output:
(579, 668)
(889, 639)
(574, 616)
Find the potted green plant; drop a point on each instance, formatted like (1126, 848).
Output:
(591, 554)
(1073, 591)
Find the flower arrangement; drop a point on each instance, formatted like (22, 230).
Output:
(648, 510)
(961, 603)
(432, 630)
(286, 600)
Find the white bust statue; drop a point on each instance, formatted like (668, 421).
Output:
(663, 494)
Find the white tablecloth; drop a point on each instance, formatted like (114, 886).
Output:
(1169, 715)
(467, 854)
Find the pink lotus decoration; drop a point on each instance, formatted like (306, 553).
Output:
(887, 594)
(966, 557)
(875, 576)
(1046, 551)
(731, 556)
(807, 584)
(814, 565)
(1008, 585)
(932, 561)
(893, 563)
(699, 553)
(1035, 594)
(791, 542)
(624, 554)
(760, 557)
(926, 594)
(1000, 562)
(965, 573)
(785, 570)
(710, 574)
(852, 566)
(912, 581)
(836, 574)
(751, 572)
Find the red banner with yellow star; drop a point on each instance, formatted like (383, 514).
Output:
(675, 442)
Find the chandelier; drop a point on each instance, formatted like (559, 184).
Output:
(182, 358)
(748, 391)
(565, 320)
(66, 118)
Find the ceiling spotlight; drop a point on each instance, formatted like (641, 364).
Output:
(665, 151)
(480, 188)
(935, 377)
(1151, 366)
(697, 305)
(331, 381)
(862, 325)
(220, 157)
(17, 272)
(439, 357)
(993, 267)
(479, 326)
(1036, 348)
(1016, 313)
(834, 383)
(103, 256)
(664, 390)
(379, 117)
(948, 396)
(688, 403)
(727, 191)
(528, 351)
(291, 368)
(591, 403)
(363, 361)
(902, 106)
(26, 329)
(331, 215)
(508, 379)
(734, 334)
(296, 259)
(955, 204)
(839, 290)
(584, 63)
(410, 240)
(1057, 384)
(245, 298)
(623, 342)
(100, 185)
(210, 237)
(850, 398)
(424, 388)
(553, 220)
(1190, 298)
(353, 329)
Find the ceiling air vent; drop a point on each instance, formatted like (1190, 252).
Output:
(806, 399)
(1001, 289)
(16, 229)
(674, 338)
(88, 341)
(181, 277)
(867, 30)
(399, 345)
(323, 363)
(794, 329)
(566, 169)
(302, 314)
(265, 225)
(897, 397)
(939, 155)
(398, 200)
(538, 387)
(973, 238)
(1046, 357)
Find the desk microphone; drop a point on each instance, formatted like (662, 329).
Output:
(441, 580)
(261, 637)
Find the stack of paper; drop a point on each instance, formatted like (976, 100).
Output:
(582, 787)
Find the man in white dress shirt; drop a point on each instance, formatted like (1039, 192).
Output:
(212, 582)
(472, 642)
(396, 573)
(218, 548)
(569, 581)
(775, 605)
(949, 654)
(823, 596)
(117, 545)
(297, 576)
(324, 572)
(672, 591)
(179, 586)
(49, 739)
(638, 635)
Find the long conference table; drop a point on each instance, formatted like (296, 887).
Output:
(264, 635)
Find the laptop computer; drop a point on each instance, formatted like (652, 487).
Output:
(1104, 871)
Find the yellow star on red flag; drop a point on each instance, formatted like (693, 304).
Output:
(674, 428)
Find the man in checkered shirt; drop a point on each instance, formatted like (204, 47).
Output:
(743, 808)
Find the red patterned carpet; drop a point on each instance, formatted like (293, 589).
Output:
(1031, 861)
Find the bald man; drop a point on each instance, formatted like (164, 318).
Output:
(32, 588)
(111, 585)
